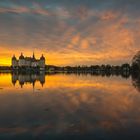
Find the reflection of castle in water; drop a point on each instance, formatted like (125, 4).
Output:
(32, 78)
(28, 78)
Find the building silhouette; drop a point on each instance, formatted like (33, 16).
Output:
(28, 62)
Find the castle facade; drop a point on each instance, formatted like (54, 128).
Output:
(28, 62)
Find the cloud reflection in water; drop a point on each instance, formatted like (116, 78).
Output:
(71, 105)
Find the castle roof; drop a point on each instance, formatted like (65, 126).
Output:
(14, 58)
(33, 56)
(42, 57)
(33, 59)
(28, 58)
(21, 56)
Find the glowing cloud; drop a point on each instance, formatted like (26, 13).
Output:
(70, 33)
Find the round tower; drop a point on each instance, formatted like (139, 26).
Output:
(21, 60)
(14, 62)
(42, 62)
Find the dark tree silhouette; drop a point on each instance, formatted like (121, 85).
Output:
(136, 71)
(125, 67)
(136, 63)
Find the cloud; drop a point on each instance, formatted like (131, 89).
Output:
(89, 32)
(84, 44)
(109, 15)
(24, 10)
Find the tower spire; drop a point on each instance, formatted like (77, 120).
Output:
(33, 55)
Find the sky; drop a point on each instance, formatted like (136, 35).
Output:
(70, 32)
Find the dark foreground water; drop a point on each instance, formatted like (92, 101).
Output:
(68, 107)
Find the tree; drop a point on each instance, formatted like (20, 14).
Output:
(136, 63)
(125, 67)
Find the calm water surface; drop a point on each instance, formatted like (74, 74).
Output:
(68, 107)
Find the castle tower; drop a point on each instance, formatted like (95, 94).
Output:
(42, 62)
(33, 56)
(14, 62)
(21, 60)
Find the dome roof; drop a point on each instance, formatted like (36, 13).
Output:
(21, 56)
(42, 57)
(14, 58)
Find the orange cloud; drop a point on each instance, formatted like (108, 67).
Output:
(14, 10)
(81, 12)
(84, 44)
(109, 15)
(75, 40)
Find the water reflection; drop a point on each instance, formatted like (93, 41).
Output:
(69, 106)
(32, 78)
(136, 81)
(28, 78)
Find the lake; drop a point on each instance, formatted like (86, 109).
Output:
(69, 106)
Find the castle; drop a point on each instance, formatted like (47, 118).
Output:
(28, 62)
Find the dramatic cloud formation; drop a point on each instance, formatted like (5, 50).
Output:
(70, 32)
